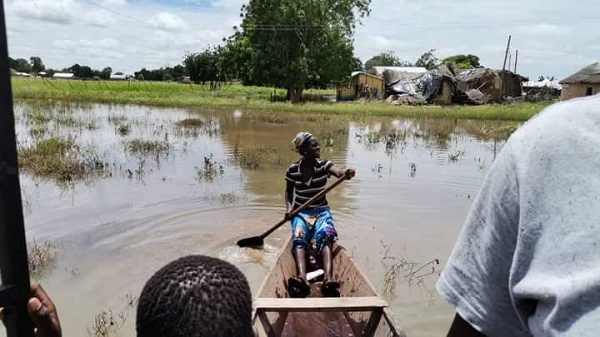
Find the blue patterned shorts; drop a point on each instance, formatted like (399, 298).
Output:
(313, 228)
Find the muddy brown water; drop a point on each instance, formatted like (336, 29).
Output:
(415, 182)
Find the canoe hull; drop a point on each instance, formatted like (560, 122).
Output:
(359, 311)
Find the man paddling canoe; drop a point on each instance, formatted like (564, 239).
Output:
(313, 230)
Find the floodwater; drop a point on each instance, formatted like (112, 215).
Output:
(415, 182)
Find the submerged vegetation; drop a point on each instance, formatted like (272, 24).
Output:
(192, 123)
(148, 147)
(250, 98)
(193, 127)
(210, 170)
(59, 158)
(258, 156)
(41, 258)
(398, 267)
(55, 150)
(107, 323)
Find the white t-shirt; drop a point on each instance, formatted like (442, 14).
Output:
(527, 262)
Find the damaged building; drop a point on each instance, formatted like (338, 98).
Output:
(441, 86)
(436, 86)
(482, 85)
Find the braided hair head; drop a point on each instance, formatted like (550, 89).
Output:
(195, 296)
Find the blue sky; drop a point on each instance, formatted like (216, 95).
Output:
(553, 37)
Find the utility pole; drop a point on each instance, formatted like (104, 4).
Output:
(504, 68)
(506, 53)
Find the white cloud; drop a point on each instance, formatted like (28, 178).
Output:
(99, 19)
(113, 3)
(543, 29)
(56, 11)
(167, 21)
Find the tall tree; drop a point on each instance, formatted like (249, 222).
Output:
(86, 72)
(105, 73)
(75, 69)
(21, 65)
(428, 60)
(286, 41)
(386, 59)
(464, 62)
(37, 66)
(203, 66)
(334, 67)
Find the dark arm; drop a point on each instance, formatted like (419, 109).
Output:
(337, 172)
(462, 328)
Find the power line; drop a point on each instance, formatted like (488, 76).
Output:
(94, 3)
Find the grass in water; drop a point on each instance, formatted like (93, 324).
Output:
(148, 147)
(231, 198)
(123, 129)
(191, 123)
(258, 156)
(210, 170)
(193, 127)
(41, 258)
(106, 323)
(59, 158)
(399, 267)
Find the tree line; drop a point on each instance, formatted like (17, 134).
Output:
(36, 66)
(427, 60)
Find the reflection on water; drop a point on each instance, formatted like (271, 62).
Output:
(219, 178)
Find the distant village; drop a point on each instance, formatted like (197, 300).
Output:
(443, 85)
(118, 76)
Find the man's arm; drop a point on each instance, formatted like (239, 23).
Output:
(462, 328)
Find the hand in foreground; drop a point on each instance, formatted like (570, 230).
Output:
(349, 174)
(42, 312)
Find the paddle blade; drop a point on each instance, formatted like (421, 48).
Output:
(253, 242)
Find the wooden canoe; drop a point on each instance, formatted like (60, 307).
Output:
(360, 311)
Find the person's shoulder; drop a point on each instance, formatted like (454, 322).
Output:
(322, 162)
(294, 166)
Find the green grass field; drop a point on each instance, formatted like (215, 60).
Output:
(247, 97)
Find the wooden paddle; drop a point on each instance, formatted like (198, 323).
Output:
(258, 241)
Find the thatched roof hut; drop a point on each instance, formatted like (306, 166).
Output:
(585, 82)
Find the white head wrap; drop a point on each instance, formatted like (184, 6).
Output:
(300, 139)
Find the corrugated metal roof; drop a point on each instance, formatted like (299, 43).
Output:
(354, 73)
(63, 75)
(413, 70)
